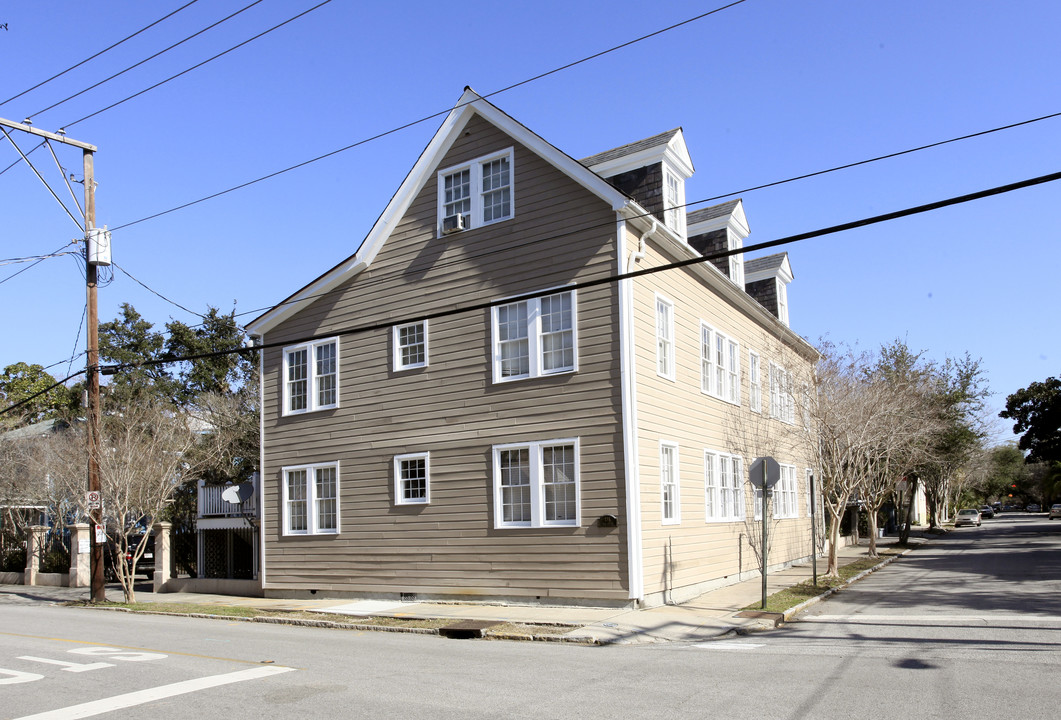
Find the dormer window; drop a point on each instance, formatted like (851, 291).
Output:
(674, 202)
(736, 262)
(782, 301)
(476, 194)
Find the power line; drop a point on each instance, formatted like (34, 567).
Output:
(40, 177)
(74, 355)
(51, 254)
(198, 65)
(422, 119)
(156, 292)
(15, 261)
(93, 57)
(145, 60)
(843, 227)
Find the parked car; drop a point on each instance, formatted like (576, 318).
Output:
(1033, 507)
(1055, 511)
(967, 516)
(987, 512)
(145, 565)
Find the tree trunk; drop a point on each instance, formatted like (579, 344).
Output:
(904, 526)
(833, 567)
(871, 521)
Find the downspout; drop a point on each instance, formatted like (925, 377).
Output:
(260, 340)
(634, 545)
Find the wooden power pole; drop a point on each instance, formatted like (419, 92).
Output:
(92, 259)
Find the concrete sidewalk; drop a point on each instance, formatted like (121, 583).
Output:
(708, 616)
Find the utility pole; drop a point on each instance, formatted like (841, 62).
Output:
(93, 257)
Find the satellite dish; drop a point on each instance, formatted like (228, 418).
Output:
(237, 494)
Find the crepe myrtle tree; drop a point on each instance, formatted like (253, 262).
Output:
(147, 450)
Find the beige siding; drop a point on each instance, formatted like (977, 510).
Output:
(680, 559)
(452, 409)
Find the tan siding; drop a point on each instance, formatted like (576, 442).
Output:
(697, 552)
(560, 234)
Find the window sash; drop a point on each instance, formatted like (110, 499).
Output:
(537, 484)
(755, 390)
(670, 488)
(664, 338)
(719, 365)
(481, 191)
(311, 499)
(410, 345)
(412, 479)
(311, 377)
(723, 486)
(535, 337)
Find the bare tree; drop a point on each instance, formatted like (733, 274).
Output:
(148, 450)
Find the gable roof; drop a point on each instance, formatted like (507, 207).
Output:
(710, 213)
(469, 104)
(669, 146)
(768, 266)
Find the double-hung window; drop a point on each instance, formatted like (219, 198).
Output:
(670, 484)
(479, 193)
(723, 487)
(535, 337)
(781, 401)
(755, 387)
(674, 202)
(782, 301)
(311, 499)
(786, 504)
(412, 477)
(311, 376)
(536, 484)
(719, 365)
(410, 345)
(665, 365)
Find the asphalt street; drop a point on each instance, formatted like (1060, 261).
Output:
(969, 625)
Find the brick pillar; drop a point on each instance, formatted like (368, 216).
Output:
(80, 557)
(33, 552)
(164, 559)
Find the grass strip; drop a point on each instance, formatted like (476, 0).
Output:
(790, 597)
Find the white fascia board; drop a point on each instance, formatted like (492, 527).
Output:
(470, 102)
(294, 304)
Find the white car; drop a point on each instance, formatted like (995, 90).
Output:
(967, 516)
(1055, 511)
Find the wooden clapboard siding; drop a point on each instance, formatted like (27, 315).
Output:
(560, 234)
(697, 552)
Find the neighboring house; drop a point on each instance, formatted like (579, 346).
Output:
(226, 530)
(471, 407)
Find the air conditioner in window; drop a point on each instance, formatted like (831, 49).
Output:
(452, 224)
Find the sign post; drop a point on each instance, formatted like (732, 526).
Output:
(764, 474)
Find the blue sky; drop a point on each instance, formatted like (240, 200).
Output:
(764, 91)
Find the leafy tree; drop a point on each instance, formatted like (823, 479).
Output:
(1036, 414)
(21, 381)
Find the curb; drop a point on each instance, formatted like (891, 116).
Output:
(796, 610)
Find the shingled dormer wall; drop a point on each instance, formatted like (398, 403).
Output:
(645, 185)
(765, 293)
(713, 242)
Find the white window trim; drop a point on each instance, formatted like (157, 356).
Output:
(677, 484)
(312, 519)
(397, 347)
(534, 337)
(312, 404)
(537, 485)
(786, 494)
(781, 401)
(782, 301)
(666, 350)
(475, 168)
(713, 469)
(674, 207)
(709, 365)
(755, 382)
(399, 494)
